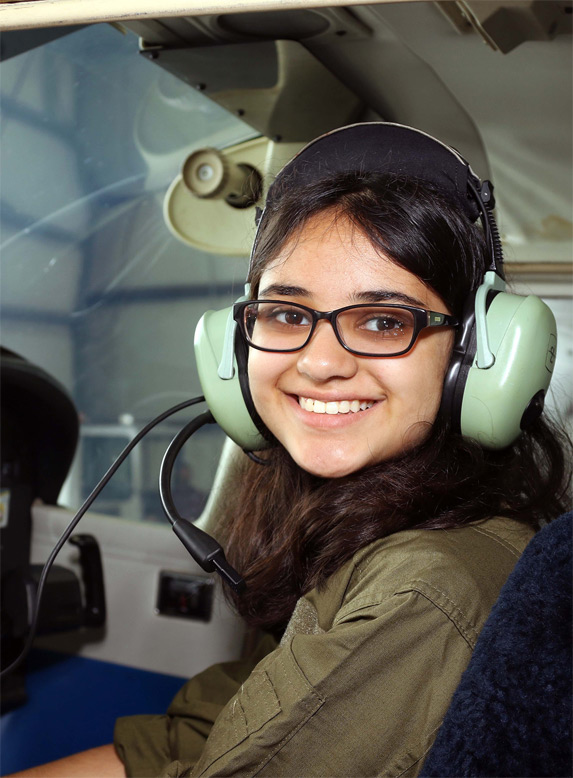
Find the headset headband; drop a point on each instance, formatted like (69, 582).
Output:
(384, 147)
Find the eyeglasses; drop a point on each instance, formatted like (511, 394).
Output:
(368, 330)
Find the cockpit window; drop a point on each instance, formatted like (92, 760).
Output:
(95, 289)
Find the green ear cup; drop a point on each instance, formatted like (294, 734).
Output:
(523, 337)
(224, 396)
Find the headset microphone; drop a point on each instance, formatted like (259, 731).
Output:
(203, 548)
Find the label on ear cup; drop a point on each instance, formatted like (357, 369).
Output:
(551, 353)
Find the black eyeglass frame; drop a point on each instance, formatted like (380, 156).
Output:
(423, 318)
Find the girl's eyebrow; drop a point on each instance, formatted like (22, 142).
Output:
(387, 295)
(284, 291)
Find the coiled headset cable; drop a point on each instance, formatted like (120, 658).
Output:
(485, 201)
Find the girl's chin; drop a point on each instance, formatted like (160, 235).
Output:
(329, 466)
(319, 473)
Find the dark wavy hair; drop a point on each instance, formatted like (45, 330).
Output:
(288, 530)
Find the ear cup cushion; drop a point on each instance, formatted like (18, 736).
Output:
(462, 358)
(242, 357)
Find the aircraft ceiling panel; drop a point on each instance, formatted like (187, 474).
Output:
(521, 103)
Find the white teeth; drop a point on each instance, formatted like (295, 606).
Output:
(332, 407)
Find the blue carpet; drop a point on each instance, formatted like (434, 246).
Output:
(73, 704)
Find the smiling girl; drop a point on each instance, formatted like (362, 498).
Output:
(333, 410)
(373, 536)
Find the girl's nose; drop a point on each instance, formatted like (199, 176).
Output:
(323, 358)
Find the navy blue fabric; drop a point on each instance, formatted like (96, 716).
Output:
(511, 714)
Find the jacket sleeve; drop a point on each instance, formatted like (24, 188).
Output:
(363, 698)
(146, 744)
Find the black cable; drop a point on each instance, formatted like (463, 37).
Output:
(203, 548)
(169, 461)
(254, 458)
(74, 522)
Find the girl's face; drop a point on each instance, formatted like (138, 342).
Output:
(329, 265)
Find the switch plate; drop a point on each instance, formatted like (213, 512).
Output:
(184, 595)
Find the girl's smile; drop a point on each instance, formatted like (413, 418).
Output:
(332, 414)
(336, 412)
(334, 407)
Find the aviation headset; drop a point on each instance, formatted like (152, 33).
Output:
(505, 347)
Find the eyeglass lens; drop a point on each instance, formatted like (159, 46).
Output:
(371, 330)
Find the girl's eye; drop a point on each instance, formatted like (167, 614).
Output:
(383, 324)
(288, 317)
(293, 317)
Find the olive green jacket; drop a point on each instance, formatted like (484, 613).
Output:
(363, 675)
